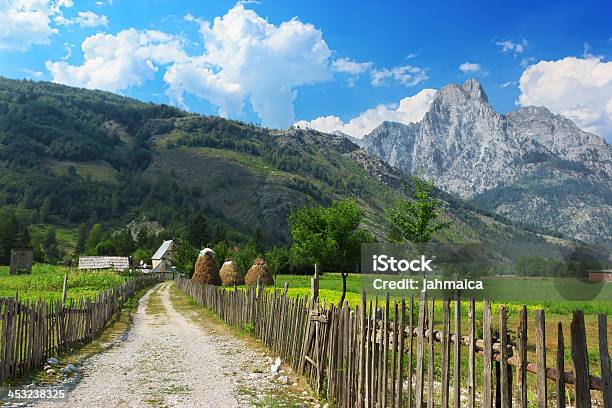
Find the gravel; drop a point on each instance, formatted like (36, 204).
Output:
(169, 361)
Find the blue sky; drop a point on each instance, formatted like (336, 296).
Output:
(341, 65)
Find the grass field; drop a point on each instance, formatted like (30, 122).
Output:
(535, 293)
(512, 293)
(46, 282)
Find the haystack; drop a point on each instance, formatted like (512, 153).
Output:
(206, 269)
(230, 274)
(257, 271)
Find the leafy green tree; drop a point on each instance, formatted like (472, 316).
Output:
(415, 221)
(124, 242)
(245, 257)
(50, 247)
(184, 256)
(198, 232)
(106, 247)
(222, 251)
(9, 234)
(277, 258)
(82, 233)
(93, 239)
(330, 236)
(24, 238)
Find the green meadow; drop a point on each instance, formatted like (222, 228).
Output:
(46, 283)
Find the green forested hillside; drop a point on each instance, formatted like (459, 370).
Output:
(70, 156)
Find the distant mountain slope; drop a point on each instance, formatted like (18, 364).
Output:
(168, 165)
(530, 165)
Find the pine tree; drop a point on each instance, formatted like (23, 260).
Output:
(198, 233)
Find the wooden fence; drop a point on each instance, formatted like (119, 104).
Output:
(32, 331)
(393, 355)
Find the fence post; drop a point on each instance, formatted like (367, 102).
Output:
(560, 367)
(64, 289)
(487, 400)
(457, 353)
(522, 358)
(604, 358)
(541, 357)
(314, 284)
(581, 361)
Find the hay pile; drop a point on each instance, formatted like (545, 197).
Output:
(258, 270)
(206, 269)
(230, 274)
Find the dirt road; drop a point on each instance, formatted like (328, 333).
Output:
(172, 359)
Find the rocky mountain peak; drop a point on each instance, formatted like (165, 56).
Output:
(531, 165)
(457, 94)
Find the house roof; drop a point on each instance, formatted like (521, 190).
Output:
(163, 266)
(163, 249)
(104, 262)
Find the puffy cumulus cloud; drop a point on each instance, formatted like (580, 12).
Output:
(84, 19)
(512, 47)
(470, 67)
(577, 88)
(409, 109)
(24, 23)
(248, 59)
(406, 75)
(116, 62)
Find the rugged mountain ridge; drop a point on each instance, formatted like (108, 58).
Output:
(530, 164)
(71, 156)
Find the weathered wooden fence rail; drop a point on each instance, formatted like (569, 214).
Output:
(32, 331)
(386, 355)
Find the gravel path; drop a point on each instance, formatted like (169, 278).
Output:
(168, 360)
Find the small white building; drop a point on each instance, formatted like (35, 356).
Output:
(162, 255)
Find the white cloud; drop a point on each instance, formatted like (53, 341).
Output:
(470, 67)
(248, 59)
(578, 88)
(409, 109)
(90, 19)
(24, 23)
(349, 66)
(353, 69)
(508, 46)
(116, 62)
(84, 19)
(406, 75)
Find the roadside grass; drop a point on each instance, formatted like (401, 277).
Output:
(46, 282)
